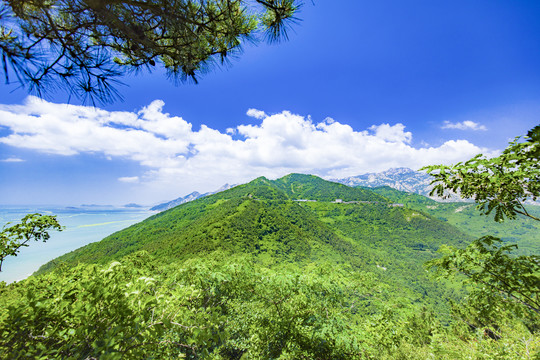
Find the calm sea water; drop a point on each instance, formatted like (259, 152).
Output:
(82, 226)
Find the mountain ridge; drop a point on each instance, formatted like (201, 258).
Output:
(187, 198)
(267, 221)
(403, 179)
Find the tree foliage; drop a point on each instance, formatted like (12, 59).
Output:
(501, 283)
(198, 310)
(227, 308)
(32, 227)
(84, 46)
(499, 184)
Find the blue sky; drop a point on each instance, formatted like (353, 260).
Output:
(359, 87)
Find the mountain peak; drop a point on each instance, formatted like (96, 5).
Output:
(311, 187)
(298, 177)
(401, 178)
(398, 171)
(260, 179)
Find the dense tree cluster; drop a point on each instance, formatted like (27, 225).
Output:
(503, 286)
(214, 309)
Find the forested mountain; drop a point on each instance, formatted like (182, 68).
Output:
(293, 268)
(398, 178)
(295, 219)
(403, 179)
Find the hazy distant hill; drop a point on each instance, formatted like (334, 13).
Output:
(181, 200)
(133, 205)
(189, 197)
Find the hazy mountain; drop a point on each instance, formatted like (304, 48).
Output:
(133, 205)
(181, 200)
(190, 197)
(403, 179)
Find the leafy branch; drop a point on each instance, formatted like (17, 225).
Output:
(84, 47)
(488, 262)
(32, 227)
(501, 184)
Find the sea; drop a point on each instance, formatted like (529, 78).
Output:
(82, 225)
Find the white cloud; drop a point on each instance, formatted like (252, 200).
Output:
(391, 133)
(12, 159)
(177, 156)
(464, 125)
(129, 179)
(257, 114)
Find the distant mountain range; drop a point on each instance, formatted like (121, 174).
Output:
(402, 179)
(189, 197)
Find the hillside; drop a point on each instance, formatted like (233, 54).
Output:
(521, 231)
(292, 220)
(263, 215)
(248, 218)
(266, 270)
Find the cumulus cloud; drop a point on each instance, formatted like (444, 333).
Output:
(173, 153)
(257, 114)
(392, 133)
(129, 179)
(12, 160)
(464, 125)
